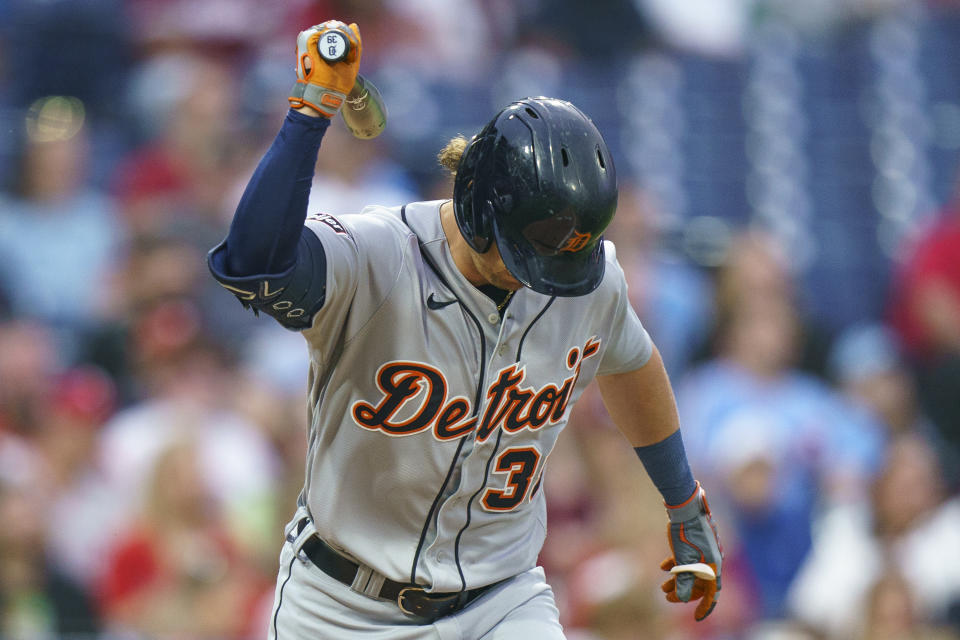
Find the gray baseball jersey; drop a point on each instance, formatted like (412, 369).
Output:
(431, 416)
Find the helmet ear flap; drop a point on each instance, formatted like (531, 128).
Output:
(483, 236)
(474, 213)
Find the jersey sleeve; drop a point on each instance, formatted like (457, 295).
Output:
(629, 345)
(345, 268)
(365, 255)
(323, 274)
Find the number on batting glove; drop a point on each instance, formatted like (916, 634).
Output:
(697, 555)
(320, 84)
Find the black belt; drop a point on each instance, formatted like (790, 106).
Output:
(411, 598)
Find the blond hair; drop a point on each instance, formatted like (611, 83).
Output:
(449, 156)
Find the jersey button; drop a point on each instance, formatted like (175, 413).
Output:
(441, 557)
(493, 318)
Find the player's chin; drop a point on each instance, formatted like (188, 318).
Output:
(505, 280)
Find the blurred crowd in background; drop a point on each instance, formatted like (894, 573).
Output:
(789, 221)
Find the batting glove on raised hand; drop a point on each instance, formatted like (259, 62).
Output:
(697, 554)
(321, 84)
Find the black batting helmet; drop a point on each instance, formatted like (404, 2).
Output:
(539, 181)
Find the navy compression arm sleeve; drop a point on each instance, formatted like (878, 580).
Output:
(666, 464)
(266, 228)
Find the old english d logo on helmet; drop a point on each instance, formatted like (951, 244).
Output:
(539, 181)
(576, 242)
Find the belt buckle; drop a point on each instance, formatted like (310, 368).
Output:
(402, 594)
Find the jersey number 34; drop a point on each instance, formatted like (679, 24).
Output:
(521, 464)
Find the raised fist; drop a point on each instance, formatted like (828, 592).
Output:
(328, 56)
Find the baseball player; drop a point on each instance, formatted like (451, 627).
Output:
(449, 341)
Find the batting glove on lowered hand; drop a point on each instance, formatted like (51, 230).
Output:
(697, 554)
(320, 84)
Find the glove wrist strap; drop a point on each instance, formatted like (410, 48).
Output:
(326, 101)
(694, 506)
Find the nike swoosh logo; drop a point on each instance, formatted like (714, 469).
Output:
(435, 304)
